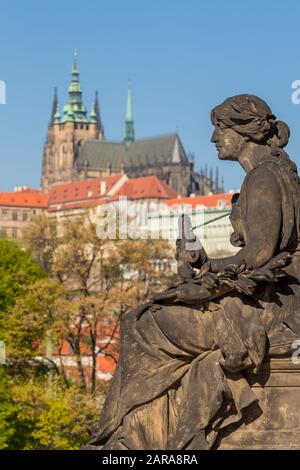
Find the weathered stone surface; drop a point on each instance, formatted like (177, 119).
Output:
(277, 388)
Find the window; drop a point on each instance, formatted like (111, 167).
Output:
(25, 216)
(15, 215)
(4, 214)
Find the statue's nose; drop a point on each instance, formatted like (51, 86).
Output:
(214, 137)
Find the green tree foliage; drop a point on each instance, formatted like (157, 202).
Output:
(37, 409)
(7, 411)
(42, 413)
(17, 270)
(75, 285)
(51, 415)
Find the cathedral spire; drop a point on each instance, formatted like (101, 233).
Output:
(75, 110)
(129, 125)
(97, 112)
(54, 106)
(93, 115)
(56, 117)
(75, 69)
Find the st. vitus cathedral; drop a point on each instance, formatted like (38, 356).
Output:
(76, 149)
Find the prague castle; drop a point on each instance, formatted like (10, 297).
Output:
(76, 149)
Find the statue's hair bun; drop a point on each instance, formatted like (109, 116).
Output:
(280, 135)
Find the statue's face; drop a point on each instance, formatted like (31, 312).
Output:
(228, 142)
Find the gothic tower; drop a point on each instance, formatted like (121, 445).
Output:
(66, 133)
(129, 125)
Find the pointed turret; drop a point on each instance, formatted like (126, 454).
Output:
(98, 116)
(56, 117)
(129, 125)
(97, 111)
(93, 115)
(54, 107)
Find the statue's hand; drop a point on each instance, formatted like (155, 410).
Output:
(189, 250)
(187, 293)
(199, 258)
(189, 255)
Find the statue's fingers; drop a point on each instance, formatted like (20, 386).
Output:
(167, 295)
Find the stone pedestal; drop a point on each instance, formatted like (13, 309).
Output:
(277, 387)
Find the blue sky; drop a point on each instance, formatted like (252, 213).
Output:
(182, 56)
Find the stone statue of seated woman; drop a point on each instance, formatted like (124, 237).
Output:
(180, 379)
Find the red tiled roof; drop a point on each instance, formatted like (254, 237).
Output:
(26, 198)
(81, 190)
(147, 187)
(211, 201)
(87, 193)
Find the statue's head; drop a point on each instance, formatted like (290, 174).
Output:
(242, 119)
